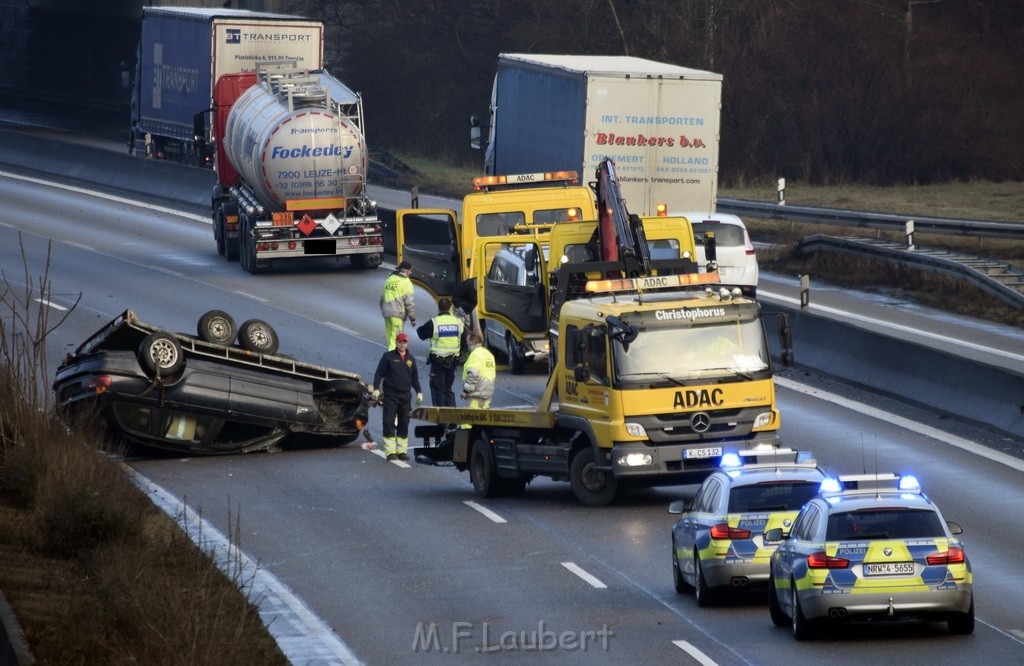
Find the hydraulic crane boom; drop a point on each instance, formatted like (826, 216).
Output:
(620, 234)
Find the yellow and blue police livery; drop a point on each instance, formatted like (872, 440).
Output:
(870, 547)
(719, 540)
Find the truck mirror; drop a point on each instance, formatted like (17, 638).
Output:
(474, 138)
(710, 247)
(785, 333)
(474, 121)
(199, 126)
(579, 339)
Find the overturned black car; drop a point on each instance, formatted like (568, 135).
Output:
(204, 394)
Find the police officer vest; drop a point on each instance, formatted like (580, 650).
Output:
(447, 335)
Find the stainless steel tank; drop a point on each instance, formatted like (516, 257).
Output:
(298, 136)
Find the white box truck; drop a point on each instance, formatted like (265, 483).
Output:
(658, 122)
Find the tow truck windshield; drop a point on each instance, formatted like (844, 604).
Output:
(673, 355)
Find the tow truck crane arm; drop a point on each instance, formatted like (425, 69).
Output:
(619, 233)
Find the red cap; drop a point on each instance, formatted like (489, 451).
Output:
(401, 337)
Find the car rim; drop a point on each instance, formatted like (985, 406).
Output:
(163, 353)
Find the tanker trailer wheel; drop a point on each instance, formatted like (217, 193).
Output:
(366, 260)
(218, 231)
(481, 469)
(257, 336)
(217, 327)
(160, 354)
(592, 486)
(247, 249)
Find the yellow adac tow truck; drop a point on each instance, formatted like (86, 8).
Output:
(658, 374)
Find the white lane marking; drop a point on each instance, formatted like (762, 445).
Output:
(339, 327)
(699, 656)
(302, 636)
(79, 245)
(252, 296)
(484, 510)
(843, 315)
(594, 582)
(959, 442)
(49, 304)
(108, 197)
(400, 463)
(160, 269)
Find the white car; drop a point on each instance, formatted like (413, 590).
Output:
(737, 260)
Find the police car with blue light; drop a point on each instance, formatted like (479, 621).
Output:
(719, 541)
(870, 547)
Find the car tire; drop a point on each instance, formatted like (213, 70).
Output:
(779, 619)
(217, 327)
(962, 624)
(592, 487)
(258, 336)
(160, 354)
(803, 629)
(516, 360)
(481, 470)
(682, 587)
(706, 596)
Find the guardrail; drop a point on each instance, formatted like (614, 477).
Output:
(938, 225)
(1000, 280)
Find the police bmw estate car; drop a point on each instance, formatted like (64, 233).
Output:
(718, 541)
(870, 547)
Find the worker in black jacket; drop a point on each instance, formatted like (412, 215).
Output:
(396, 375)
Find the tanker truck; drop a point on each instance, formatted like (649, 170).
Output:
(291, 167)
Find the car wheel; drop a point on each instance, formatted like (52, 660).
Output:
(962, 623)
(779, 619)
(682, 587)
(516, 359)
(705, 594)
(217, 327)
(803, 630)
(481, 470)
(258, 336)
(160, 354)
(592, 486)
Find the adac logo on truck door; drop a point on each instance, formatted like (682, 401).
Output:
(701, 398)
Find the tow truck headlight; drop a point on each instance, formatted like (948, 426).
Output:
(636, 460)
(636, 430)
(763, 419)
